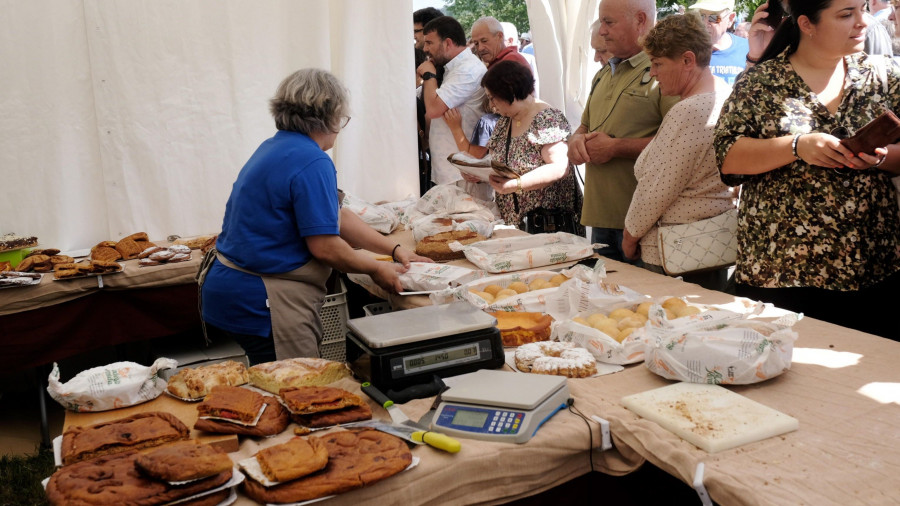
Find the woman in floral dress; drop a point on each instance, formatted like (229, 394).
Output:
(537, 149)
(818, 230)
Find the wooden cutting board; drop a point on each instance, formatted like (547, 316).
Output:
(184, 411)
(710, 417)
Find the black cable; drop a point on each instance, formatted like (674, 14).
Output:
(575, 411)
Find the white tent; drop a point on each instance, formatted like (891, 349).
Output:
(121, 116)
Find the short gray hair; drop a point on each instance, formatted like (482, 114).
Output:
(310, 101)
(492, 24)
(509, 31)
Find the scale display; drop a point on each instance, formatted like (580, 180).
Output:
(406, 350)
(441, 358)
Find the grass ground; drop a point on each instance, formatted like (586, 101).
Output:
(20, 478)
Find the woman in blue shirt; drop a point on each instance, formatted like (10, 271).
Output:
(284, 230)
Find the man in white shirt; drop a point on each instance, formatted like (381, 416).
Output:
(445, 45)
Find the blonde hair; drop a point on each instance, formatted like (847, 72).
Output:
(677, 34)
(309, 101)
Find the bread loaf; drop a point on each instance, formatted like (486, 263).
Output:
(296, 372)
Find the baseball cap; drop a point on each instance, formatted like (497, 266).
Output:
(713, 5)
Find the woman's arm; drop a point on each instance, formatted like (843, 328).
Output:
(556, 166)
(454, 121)
(758, 156)
(360, 235)
(336, 253)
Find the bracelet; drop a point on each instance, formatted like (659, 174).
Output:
(393, 251)
(794, 146)
(751, 60)
(519, 185)
(883, 158)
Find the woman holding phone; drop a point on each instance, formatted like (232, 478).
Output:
(818, 231)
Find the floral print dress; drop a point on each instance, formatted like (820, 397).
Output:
(804, 225)
(547, 127)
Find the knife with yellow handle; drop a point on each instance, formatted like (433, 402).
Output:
(406, 428)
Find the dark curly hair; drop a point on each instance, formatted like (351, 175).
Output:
(508, 81)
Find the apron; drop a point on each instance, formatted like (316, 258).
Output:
(294, 299)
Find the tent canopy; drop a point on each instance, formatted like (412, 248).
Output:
(123, 116)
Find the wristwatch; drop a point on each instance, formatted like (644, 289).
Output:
(429, 75)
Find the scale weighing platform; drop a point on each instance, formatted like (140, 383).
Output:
(500, 406)
(403, 350)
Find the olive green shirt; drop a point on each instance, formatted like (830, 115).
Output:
(624, 104)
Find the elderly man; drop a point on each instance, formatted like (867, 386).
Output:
(601, 54)
(729, 51)
(881, 9)
(491, 45)
(445, 45)
(623, 112)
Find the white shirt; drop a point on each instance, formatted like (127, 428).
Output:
(461, 88)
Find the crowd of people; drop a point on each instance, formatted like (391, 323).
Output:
(686, 120)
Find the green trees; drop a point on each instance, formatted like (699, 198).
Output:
(468, 11)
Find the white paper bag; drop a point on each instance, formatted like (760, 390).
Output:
(112, 386)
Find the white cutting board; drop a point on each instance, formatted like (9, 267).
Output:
(709, 416)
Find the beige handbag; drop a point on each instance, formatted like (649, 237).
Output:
(704, 245)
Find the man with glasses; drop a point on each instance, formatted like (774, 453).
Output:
(729, 51)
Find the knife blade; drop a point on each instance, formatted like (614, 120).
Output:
(418, 432)
(428, 417)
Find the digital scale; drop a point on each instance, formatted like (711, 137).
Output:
(401, 352)
(500, 406)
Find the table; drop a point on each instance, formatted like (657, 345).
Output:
(59, 319)
(843, 387)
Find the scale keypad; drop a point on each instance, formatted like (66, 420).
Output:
(505, 422)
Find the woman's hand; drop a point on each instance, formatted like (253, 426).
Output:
(503, 185)
(387, 276)
(864, 161)
(631, 246)
(760, 33)
(405, 255)
(453, 118)
(825, 150)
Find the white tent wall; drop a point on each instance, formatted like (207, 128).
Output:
(120, 116)
(561, 33)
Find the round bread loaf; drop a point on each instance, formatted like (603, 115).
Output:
(551, 357)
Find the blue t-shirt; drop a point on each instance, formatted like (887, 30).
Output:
(286, 191)
(730, 62)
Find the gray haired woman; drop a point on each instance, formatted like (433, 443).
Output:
(284, 230)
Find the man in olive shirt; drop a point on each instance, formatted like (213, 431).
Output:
(623, 112)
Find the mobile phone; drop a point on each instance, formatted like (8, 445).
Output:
(776, 13)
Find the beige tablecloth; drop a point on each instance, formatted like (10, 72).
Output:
(843, 387)
(50, 291)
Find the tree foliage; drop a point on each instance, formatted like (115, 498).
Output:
(468, 11)
(748, 7)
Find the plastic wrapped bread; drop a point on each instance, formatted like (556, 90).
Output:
(112, 386)
(527, 252)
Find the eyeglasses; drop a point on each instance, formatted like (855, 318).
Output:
(344, 121)
(714, 18)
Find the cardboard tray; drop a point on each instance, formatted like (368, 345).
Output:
(184, 411)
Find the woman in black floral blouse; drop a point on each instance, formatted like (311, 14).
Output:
(819, 230)
(537, 149)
